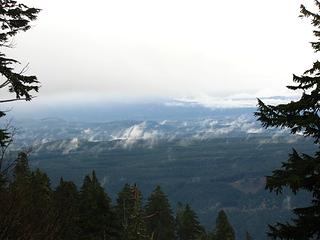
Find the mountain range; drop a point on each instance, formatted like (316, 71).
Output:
(214, 160)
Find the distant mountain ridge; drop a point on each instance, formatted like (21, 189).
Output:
(107, 112)
(128, 133)
(213, 160)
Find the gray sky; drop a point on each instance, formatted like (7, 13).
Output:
(194, 49)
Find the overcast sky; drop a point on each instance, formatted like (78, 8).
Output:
(165, 49)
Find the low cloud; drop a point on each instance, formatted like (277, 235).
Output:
(235, 101)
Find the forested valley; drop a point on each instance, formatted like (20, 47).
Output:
(32, 209)
(221, 163)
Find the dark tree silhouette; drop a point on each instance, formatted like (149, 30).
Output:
(187, 224)
(224, 229)
(26, 210)
(248, 236)
(14, 18)
(66, 210)
(301, 171)
(130, 213)
(95, 212)
(159, 218)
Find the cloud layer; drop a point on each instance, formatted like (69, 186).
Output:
(165, 48)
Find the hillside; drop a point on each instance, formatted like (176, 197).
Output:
(209, 163)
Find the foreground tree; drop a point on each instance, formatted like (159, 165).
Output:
(96, 217)
(27, 212)
(14, 18)
(66, 207)
(14, 198)
(248, 236)
(224, 229)
(159, 219)
(130, 214)
(301, 171)
(187, 224)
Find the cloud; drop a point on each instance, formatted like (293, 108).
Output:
(136, 133)
(164, 48)
(242, 100)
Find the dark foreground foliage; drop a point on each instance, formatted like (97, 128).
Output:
(14, 18)
(301, 172)
(31, 209)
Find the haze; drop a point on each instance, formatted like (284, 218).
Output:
(165, 49)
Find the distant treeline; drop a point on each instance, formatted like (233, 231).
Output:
(31, 209)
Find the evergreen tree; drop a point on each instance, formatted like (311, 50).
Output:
(301, 171)
(248, 236)
(131, 215)
(204, 236)
(30, 213)
(14, 18)
(187, 224)
(124, 207)
(66, 206)
(21, 170)
(159, 219)
(13, 208)
(4, 206)
(41, 207)
(16, 209)
(212, 236)
(96, 218)
(224, 229)
(24, 203)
